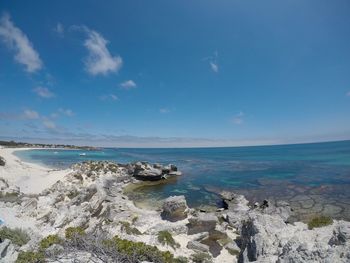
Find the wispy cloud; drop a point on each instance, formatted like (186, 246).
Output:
(164, 110)
(31, 114)
(238, 118)
(348, 94)
(128, 84)
(44, 92)
(17, 41)
(213, 62)
(66, 112)
(49, 124)
(59, 29)
(214, 66)
(111, 97)
(99, 60)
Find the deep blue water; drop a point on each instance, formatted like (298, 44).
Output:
(258, 172)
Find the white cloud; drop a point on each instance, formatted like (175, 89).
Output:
(100, 60)
(18, 41)
(31, 115)
(214, 67)
(59, 29)
(109, 97)
(49, 124)
(128, 84)
(238, 118)
(67, 112)
(43, 92)
(348, 94)
(164, 110)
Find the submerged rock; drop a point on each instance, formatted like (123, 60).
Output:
(174, 208)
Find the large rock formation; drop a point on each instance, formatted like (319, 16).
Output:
(174, 208)
(266, 235)
(148, 172)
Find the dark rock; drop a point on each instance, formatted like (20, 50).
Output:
(174, 208)
(2, 161)
(202, 223)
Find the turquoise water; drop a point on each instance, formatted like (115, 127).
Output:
(319, 170)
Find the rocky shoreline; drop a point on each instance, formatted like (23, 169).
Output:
(91, 198)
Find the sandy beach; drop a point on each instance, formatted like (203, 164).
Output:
(29, 177)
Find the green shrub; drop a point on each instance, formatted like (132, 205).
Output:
(127, 228)
(233, 252)
(140, 251)
(201, 257)
(73, 232)
(134, 219)
(49, 241)
(9, 197)
(165, 238)
(180, 259)
(320, 221)
(30, 257)
(16, 235)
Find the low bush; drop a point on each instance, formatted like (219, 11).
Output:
(139, 251)
(49, 241)
(127, 228)
(73, 232)
(201, 257)
(165, 238)
(16, 235)
(319, 221)
(30, 257)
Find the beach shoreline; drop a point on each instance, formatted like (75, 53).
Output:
(31, 178)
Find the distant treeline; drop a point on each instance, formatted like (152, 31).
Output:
(42, 145)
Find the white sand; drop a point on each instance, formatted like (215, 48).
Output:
(31, 178)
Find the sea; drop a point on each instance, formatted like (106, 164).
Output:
(314, 178)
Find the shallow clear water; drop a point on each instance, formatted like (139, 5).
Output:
(316, 173)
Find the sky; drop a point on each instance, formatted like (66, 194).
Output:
(175, 73)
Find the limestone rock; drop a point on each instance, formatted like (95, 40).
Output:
(202, 223)
(195, 245)
(8, 254)
(174, 208)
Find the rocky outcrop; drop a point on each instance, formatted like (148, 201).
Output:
(266, 235)
(140, 170)
(8, 193)
(174, 208)
(148, 172)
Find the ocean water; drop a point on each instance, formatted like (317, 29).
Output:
(314, 178)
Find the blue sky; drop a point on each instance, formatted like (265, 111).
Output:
(175, 73)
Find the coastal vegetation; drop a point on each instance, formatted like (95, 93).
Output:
(201, 257)
(16, 235)
(49, 241)
(14, 144)
(165, 238)
(127, 228)
(319, 221)
(30, 257)
(97, 247)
